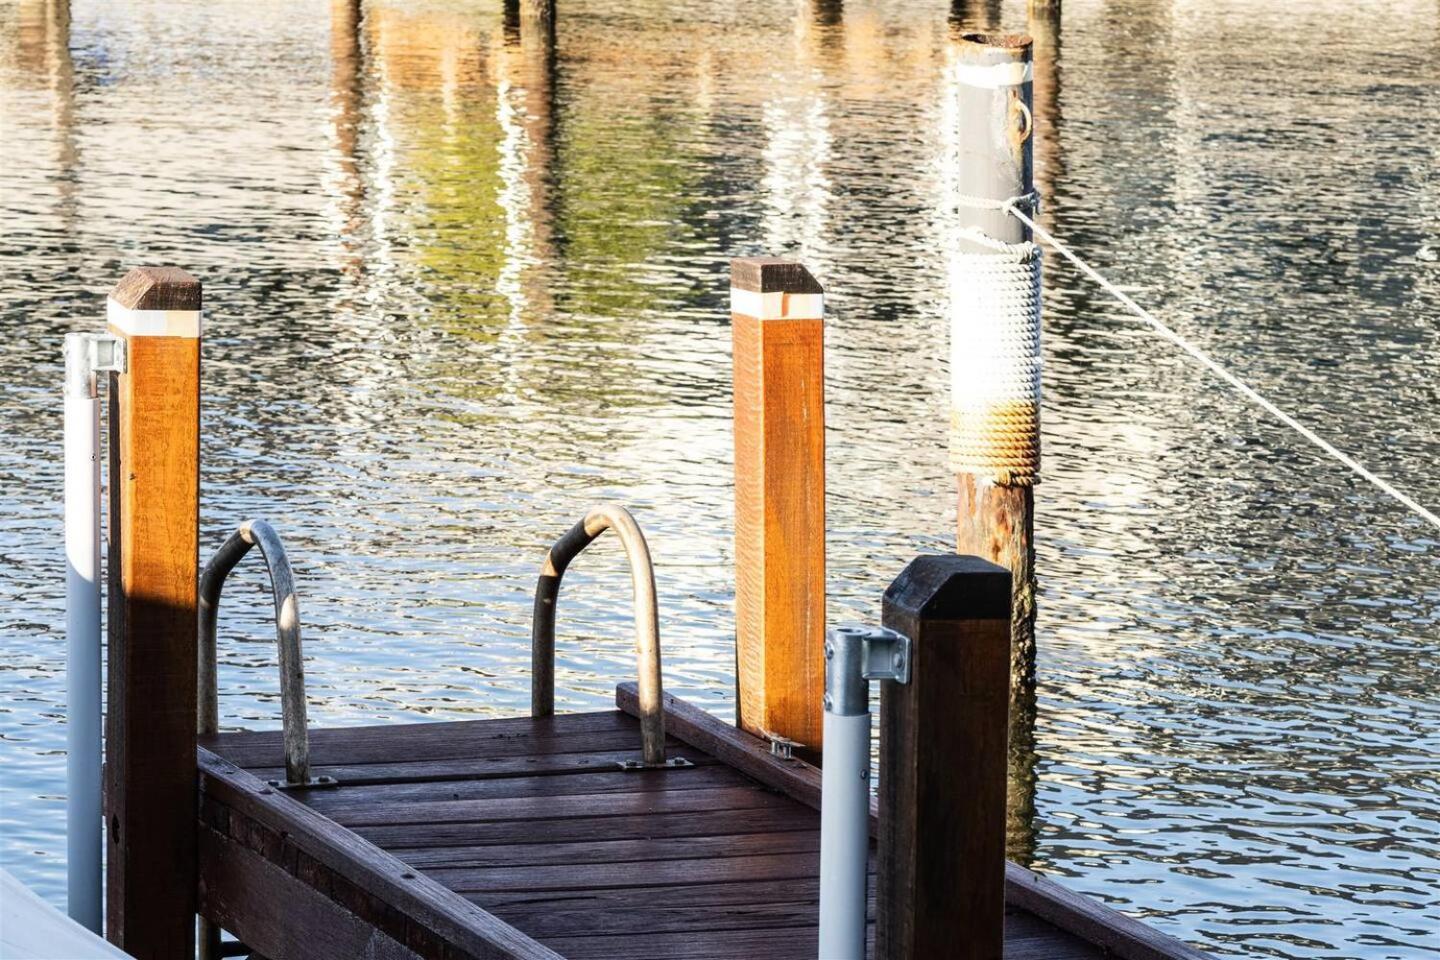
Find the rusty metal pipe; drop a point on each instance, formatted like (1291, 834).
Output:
(647, 622)
(258, 533)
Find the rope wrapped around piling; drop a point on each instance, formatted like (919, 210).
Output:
(995, 362)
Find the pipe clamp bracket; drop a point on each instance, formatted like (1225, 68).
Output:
(887, 655)
(88, 354)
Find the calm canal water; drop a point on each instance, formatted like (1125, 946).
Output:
(458, 288)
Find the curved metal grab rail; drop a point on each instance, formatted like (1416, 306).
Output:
(647, 625)
(258, 533)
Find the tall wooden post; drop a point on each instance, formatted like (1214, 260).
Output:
(940, 877)
(995, 412)
(153, 574)
(775, 313)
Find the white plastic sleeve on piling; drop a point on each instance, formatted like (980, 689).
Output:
(844, 836)
(995, 363)
(82, 669)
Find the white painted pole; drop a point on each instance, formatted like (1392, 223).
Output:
(82, 633)
(844, 834)
(845, 795)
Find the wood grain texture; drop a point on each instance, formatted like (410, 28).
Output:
(779, 524)
(363, 879)
(280, 913)
(941, 875)
(152, 637)
(157, 288)
(657, 864)
(997, 522)
(772, 275)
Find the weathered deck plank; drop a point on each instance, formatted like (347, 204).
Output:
(532, 824)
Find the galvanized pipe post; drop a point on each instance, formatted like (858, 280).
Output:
(995, 517)
(853, 657)
(85, 356)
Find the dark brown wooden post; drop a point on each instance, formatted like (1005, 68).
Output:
(153, 574)
(940, 880)
(776, 308)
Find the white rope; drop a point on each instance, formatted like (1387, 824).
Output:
(1215, 368)
(995, 360)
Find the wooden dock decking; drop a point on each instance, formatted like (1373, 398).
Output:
(523, 838)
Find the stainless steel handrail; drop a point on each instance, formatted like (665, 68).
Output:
(258, 533)
(647, 625)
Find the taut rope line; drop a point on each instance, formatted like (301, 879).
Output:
(1214, 367)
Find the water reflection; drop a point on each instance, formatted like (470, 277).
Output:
(465, 271)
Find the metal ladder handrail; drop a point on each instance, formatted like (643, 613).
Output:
(258, 533)
(647, 625)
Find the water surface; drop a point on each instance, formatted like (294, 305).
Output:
(459, 285)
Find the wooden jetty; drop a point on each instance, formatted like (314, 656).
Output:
(652, 830)
(522, 838)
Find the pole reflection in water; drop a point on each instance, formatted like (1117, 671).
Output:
(796, 185)
(974, 16)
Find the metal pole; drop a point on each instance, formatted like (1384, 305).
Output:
(853, 657)
(82, 634)
(844, 799)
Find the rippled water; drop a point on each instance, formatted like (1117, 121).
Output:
(459, 286)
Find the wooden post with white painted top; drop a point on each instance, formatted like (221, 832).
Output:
(776, 309)
(153, 576)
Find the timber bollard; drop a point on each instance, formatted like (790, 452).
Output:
(153, 627)
(776, 310)
(995, 324)
(940, 877)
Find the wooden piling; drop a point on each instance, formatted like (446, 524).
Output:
(152, 635)
(776, 308)
(1044, 25)
(940, 876)
(995, 516)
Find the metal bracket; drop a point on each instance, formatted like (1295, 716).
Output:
(106, 352)
(673, 763)
(313, 783)
(782, 748)
(887, 655)
(87, 354)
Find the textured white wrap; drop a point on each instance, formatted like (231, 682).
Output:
(995, 363)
